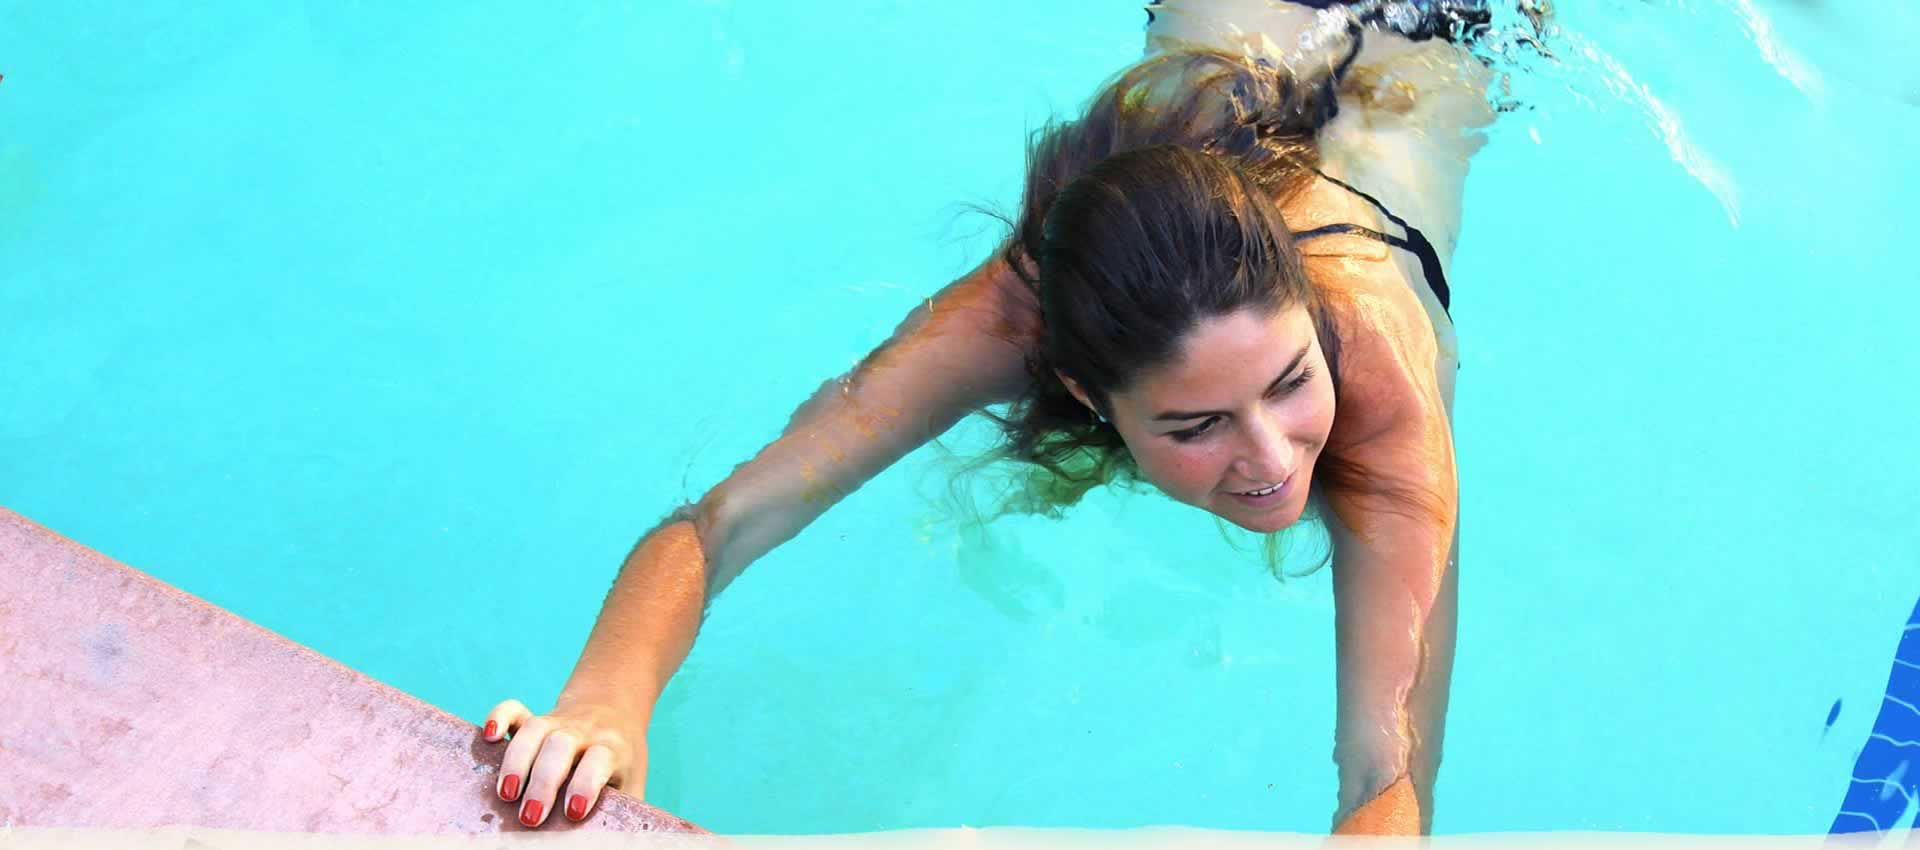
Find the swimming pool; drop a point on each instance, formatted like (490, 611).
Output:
(390, 329)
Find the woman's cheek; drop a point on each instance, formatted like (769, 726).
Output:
(1184, 473)
(1157, 468)
(1309, 429)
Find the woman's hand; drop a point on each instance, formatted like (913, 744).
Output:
(578, 748)
(1396, 811)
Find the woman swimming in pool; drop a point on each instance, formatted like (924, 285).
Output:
(1204, 290)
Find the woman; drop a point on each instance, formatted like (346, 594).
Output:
(1197, 293)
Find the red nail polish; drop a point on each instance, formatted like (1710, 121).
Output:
(530, 814)
(510, 787)
(577, 807)
(488, 732)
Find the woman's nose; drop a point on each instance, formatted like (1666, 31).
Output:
(1266, 454)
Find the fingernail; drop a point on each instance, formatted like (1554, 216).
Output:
(530, 813)
(577, 807)
(488, 732)
(510, 787)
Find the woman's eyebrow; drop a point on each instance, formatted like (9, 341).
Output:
(1177, 415)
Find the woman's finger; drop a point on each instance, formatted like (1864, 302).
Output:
(504, 719)
(550, 769)
(515, 765)
(591, 775)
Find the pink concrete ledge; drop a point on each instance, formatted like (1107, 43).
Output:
(128, 704)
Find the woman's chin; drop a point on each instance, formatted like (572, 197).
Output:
(1279, 518)
(1267, 526)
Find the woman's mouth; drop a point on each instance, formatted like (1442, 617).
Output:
(1264, 496)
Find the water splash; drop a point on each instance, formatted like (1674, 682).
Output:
(1787, 63)
(1665, 122)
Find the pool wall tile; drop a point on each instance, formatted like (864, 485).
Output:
(1885, 780)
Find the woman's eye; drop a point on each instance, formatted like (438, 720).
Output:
(1195, 432)
(1301, 381)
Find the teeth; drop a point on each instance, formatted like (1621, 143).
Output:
(1263, 492)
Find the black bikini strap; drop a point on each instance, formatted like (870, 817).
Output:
(1356, 230)
(1414, 241)
(1369, 199)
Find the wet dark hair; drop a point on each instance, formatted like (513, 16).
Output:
(1156, 210)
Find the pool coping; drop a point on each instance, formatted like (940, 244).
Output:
(132, 704)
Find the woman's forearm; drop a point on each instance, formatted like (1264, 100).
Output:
(647, 625)
(1428, 701)
(1396, 673)
(952, 354)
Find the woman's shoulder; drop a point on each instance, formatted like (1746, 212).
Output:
(1378, 297)
(1371, 293)
(1321, 204)
(1394, 365)
(1392, 425)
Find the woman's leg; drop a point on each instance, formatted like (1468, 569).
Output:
(1411, 116)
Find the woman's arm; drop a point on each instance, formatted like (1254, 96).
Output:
(1393, 520)
(1412, 117)
(1394, 625)
(964, 348)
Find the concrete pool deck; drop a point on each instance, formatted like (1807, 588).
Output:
(129, 704)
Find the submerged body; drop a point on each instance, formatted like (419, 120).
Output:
(1251, 407)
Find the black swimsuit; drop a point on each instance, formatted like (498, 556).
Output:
(1414, 241)
(1418, 20)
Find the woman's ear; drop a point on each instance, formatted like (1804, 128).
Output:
(1078, 392)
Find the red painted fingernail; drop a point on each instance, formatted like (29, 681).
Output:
(577, 807)
(488, 732)
(509, 787)
(530, 814)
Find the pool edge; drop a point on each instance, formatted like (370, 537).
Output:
(134, 704)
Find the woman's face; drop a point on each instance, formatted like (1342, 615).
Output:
(1234, 424)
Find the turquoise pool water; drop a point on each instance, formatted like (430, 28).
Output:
(391, 327)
